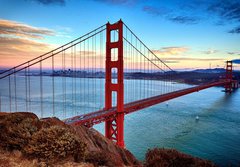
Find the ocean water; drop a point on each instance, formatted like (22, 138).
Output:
(215, 136)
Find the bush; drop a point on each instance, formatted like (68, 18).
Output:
(16, 130)
(98, 159)
(56, 142)
(169, 157)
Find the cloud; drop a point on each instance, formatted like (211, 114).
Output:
(119, 2)
(184, 20)
(236, 61)
(170, 61)
(154, 11)
(235, 30)
(21, 42)
(233, 53)
(51, 2)
(18, 44)
(228, 9)
(210, 51)
(166, 51)
(11, 28)
(178, 59)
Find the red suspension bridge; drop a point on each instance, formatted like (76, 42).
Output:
(109, 71)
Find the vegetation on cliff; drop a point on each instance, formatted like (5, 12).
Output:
(50, 142)
(169, 157)
(29, 141)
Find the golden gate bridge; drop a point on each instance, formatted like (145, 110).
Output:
(98, 77)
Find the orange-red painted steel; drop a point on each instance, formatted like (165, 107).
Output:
(229, 76)
(114, 116)
(114, 126)
(105, 115)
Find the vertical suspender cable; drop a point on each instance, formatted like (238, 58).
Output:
(75, 84)
(71, 75)
(80, 75)
(26, 98)
(15, 91)
(9, 92)
(29, 88)
(62, 82)
(53, 87)
(88, 73)
(101, 61)
(41, 89)
(85, 79)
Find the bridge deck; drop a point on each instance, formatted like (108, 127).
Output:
(104, 115)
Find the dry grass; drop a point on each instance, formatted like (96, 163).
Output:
(16, 131)
(98, 159)
(16, 159)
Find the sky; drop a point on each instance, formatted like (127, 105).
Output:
(189, 34)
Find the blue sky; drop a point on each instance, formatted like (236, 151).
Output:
(187, 34)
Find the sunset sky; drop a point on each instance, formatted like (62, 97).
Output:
(187, 34)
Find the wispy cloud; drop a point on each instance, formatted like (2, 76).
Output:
(51, 2)
(11, 28)
(168, 51)
(119, 2)
(179, 59)
(210, 51)
(235, 30)
(17, 44)
(170, 61)
(193, 59)
(229, 9)
(184, 19)
(21, 40)
(233, 53)
(155, 11)
(228, 12)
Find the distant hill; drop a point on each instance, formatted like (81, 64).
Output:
(214, 70)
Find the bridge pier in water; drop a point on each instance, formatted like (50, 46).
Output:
(114, 128)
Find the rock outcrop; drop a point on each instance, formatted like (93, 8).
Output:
(27, 141)
(50, 142)
(160, 157)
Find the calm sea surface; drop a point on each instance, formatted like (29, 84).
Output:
(215, 136)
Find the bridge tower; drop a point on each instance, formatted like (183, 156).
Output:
(114, 128)
(229, 77)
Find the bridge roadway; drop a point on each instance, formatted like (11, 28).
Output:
(93, 118)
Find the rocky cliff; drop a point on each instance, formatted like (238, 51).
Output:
(49, 142)
(27, 141)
